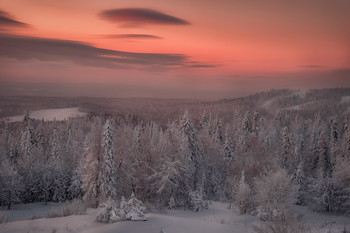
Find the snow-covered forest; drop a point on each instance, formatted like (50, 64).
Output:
(264, 154)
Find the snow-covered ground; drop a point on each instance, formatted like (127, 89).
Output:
(59, 114)
(30, 211)
(267, 104)
(218, 218)
(323, 222)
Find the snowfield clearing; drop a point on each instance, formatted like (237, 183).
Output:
(60, 114)
(218, 219)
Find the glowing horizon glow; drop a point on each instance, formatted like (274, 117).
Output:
(216, 47)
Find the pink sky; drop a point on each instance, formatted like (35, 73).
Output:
(200, 49)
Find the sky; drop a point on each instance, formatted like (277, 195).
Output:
(172, 49)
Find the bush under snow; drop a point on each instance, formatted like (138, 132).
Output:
(132, 210)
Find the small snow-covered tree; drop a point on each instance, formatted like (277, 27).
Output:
(10, 183)
(74, 190)
(275, 193)
(322, 193)
(247, 125)
(256, 123)
(204, 121)
(46, 183)
(60, 185)
(300, 180)
(243, 195)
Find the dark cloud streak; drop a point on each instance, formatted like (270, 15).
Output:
(8, 21)
(25, 48)
(132, 36)
(310, 66)
(134, 17)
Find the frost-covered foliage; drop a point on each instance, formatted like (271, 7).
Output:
(110, 212)
(243, 196)
(10, 183)
(132, 210)
(275, 193)
(196, 200)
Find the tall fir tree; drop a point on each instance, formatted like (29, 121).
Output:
(108, 170)
(192, 154)
(217, 134)
(324, 159)
(229, 147)
(284, 159)
(27, 136)
(91, 166)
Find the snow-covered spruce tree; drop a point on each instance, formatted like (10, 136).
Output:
(60, 172)
(341, 180)
(10, 183)
(12, 150)
(27, 136)
(321, 191)
(69, 143)
(74, 189)
(334, 149)
(243, 195)
(284, 159)
(313, 149)
(108, 168)
(138, 132)
(204, 121)
(346, 139)
(300, 181)
(247, 125)
(192, 153)
(60, 184)
(324, 166)
(322, 186)
(275, 194)
(229, 147)
(256, 123)
(46, 183)
(91, 166)
(55, 144)
(217, 134)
